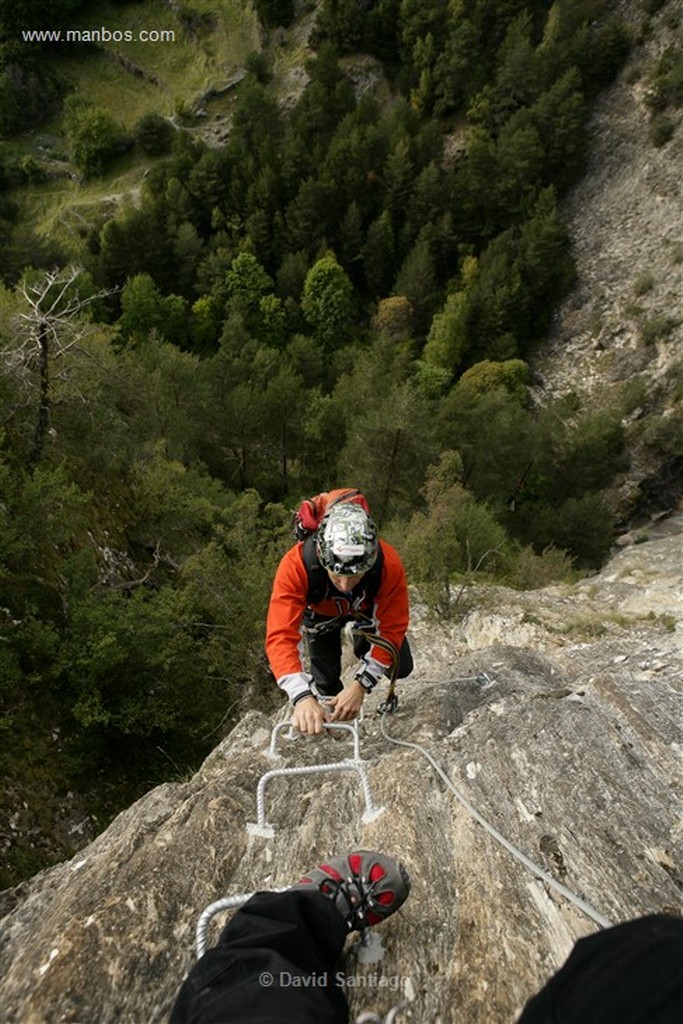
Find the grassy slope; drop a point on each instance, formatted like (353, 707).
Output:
(173, 76)
(182, 70)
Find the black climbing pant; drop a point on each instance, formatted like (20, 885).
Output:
(275, 963)
(325, 652)
(629, 974)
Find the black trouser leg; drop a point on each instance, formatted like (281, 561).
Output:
(250, 976)
(361, 646)
(325, 652)
(629, 974)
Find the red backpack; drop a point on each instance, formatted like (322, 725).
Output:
(307, 517)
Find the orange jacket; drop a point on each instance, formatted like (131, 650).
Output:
(388, 610)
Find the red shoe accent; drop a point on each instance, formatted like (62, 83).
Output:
(366, 886)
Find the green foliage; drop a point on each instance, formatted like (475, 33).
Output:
(93, 134)
(661, 130)
(389, 429)
(145, 309)
(666, 81)
(417, 281)
(659, 326)
(247, 283)
(528, 570)
(346, 290)
(512, 376)
(28, 91)
(354, 25)
(453, 539)
(644, 283)
(154, 134)
(582, 525)
(328, 302)
(275, 12)
(558, 500)
(492, 430)
(664, 434)
(379, 255)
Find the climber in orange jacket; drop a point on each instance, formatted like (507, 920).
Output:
(340, 573)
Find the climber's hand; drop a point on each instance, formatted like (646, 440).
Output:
(308, 716)
(347, 704)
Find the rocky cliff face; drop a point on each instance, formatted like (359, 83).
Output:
(556, 713)
(623, 320)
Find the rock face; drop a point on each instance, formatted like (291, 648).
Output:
(622, 321)
(556, 713)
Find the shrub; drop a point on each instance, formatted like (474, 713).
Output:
(258, 65)
(93, 134)
(644, 283)
(530, 571)
(667, 81)
(659, 326)
(275, 12)
(664, 434)
(456, 538)
(154, 134)
(661, 130)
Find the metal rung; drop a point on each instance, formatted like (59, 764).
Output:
(262, 828)
(345, 726)
(227, 903)
(370, 948)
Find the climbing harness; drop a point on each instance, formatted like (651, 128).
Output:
(390, 702)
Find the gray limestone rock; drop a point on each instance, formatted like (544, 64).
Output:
(566, 739)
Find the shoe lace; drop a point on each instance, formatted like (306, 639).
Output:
(358, 893)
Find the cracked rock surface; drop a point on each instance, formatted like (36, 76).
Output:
(556, 714)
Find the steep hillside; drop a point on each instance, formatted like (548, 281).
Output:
(556, 713)
(186, 71)
(623, 322)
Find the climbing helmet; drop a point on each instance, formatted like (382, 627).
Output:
(346, 540)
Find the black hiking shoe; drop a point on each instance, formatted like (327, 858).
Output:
(365, 886)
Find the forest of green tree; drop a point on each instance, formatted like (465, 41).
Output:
(348, 293)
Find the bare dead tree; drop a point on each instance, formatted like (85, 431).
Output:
(51, 327)
(472, 570)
